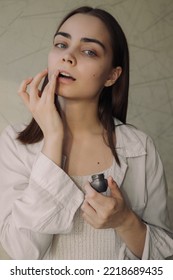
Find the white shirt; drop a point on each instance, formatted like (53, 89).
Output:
(40, 203)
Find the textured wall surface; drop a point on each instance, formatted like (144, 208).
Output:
(26, 30)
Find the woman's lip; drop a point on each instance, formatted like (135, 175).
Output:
(65, 80)
(64, 72)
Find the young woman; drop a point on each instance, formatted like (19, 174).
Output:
(48, 208)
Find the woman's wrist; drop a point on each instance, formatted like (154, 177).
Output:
(133, 233)
(130, 222)
(52, 148)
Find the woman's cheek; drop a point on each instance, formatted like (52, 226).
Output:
(93, 75)
(98, 77)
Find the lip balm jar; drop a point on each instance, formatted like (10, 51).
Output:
(99, 183)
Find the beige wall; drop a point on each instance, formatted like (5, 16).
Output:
(26, 30)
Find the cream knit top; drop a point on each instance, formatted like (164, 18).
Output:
(83, 241)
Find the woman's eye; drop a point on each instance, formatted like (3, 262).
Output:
(90, 53)
(60, 45)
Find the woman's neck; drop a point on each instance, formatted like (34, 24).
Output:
(80, 118)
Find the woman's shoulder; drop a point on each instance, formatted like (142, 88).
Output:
(130, 131)
(11, 132)
(9, 143)
(131, 140)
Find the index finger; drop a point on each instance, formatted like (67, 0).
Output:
(51, 86)
(38, 78)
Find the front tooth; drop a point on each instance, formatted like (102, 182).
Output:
(65, 74)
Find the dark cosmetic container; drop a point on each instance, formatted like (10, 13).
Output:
(99, 183)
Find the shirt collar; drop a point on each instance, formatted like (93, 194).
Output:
(128, 142)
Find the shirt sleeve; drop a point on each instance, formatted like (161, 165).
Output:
(158, 245)
(159, 235)
(34, 204)
(159, 239)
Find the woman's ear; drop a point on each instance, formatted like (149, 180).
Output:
(115, 73)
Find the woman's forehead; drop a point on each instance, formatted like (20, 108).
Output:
(84, 25)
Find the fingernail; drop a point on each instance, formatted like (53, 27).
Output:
(29, 80)
(52, 77)
(56, 73)
(111, 179)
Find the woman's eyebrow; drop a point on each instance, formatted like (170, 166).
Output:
(67, 35)
(92, 40)
(85, 39)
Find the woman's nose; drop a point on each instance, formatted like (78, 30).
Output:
(69, 58)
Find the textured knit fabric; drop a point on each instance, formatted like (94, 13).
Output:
(85, 242)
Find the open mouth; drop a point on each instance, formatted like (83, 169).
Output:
(66, 76)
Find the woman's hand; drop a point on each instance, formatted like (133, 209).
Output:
(44, 111)
(42, 105)
(112, 212)
(102, 211)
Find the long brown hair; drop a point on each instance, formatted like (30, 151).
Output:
(113, 100)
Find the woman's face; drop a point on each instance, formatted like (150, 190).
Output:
(83, 55)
